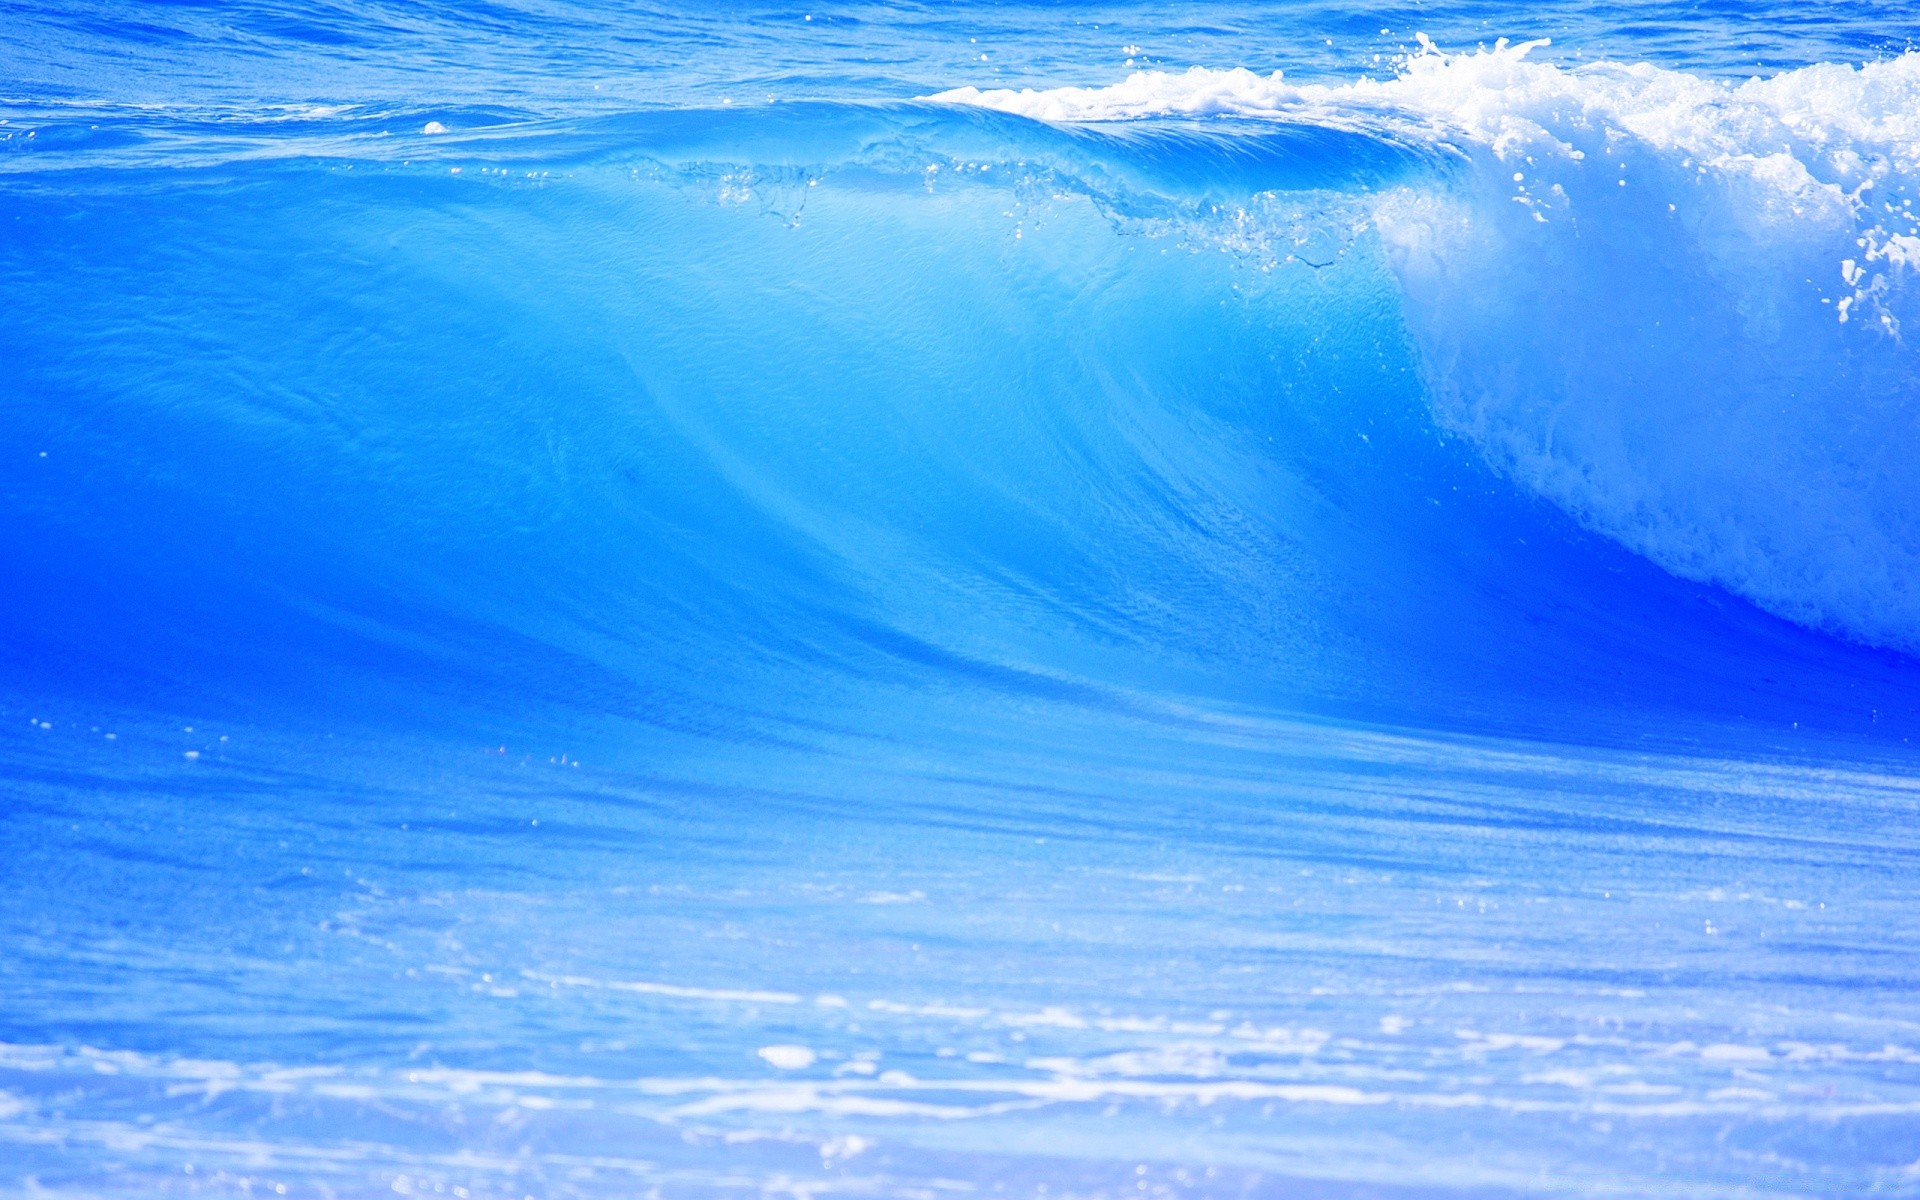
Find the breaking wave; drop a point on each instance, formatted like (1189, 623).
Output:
(1672, 305)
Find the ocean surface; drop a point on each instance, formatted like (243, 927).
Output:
(949, 599)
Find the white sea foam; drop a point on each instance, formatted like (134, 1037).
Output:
(788, 1057)
(1676, 306)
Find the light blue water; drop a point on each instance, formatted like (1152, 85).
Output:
(919, 601)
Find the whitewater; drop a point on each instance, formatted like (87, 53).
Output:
(945, 599)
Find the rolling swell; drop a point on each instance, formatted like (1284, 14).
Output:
(636, 414)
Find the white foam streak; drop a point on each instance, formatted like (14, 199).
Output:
(677, 991)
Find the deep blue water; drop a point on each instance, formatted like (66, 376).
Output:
(946, 599)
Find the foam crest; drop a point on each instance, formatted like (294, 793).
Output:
(1505, 97)
(1673, 305)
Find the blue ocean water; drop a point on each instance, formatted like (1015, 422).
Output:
(950, 599)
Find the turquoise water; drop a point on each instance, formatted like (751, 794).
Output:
(951, 599)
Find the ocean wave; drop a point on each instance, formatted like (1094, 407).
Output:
(1671, 304)
(922, 392)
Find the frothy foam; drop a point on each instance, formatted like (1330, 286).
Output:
(1673, 305)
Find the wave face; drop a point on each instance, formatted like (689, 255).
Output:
(704, 604)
